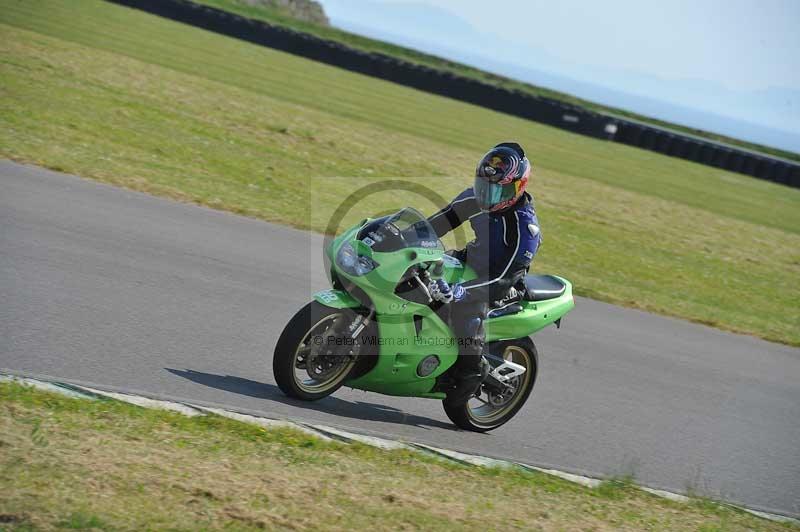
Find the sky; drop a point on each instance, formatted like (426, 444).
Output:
(729, 65)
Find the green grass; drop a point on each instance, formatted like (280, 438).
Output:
(130, 99)
(276, 16)
(112, 466)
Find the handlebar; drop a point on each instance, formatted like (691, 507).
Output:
(423, 286)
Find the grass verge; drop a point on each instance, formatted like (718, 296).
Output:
(71, 463)
(277, 17)
(130, 99)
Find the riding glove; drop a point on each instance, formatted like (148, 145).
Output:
(442, 292)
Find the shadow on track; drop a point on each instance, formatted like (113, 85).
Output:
(330, 405)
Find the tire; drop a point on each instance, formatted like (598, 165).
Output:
(297, 337)
(467, 417)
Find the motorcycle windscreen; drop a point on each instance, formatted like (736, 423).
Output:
(404, 229)
(488, 195)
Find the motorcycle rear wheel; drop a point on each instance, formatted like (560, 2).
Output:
(482, 415)
(306, 365)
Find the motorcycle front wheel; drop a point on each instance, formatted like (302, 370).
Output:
(310, 360)
(488, 410)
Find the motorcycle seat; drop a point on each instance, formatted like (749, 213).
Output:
(543, 287)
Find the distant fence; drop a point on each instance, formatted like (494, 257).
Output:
(545, 110)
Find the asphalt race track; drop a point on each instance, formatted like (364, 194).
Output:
(129, 292)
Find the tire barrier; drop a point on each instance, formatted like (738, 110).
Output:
(539, 109)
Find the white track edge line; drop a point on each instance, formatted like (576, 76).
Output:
(373, 441)
(145, 402)
(48, 386)
(469, 459)
(571, 477)
(263, 421)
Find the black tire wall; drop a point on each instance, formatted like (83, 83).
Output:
(545, 110)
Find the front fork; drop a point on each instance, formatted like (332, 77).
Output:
(358, 324)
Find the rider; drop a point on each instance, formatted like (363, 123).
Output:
(507, 237)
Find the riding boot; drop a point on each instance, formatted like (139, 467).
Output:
(468, 382)
(471, 368)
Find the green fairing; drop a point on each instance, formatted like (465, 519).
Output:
(402, 347)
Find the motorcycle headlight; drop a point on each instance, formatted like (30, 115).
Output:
(352, 263)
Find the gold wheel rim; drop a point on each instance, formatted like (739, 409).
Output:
(308, 384)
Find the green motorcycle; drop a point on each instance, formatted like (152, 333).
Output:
(378, 328)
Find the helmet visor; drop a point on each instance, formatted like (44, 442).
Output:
(489, 195)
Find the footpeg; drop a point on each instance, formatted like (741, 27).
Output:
(507, 371)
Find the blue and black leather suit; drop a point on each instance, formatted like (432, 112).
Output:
(501, 253)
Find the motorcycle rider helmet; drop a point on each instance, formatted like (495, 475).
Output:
(501, 177)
